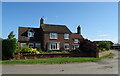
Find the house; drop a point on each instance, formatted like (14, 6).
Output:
(49, 37)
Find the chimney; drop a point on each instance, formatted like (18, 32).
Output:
(41, 21)
(79, 30)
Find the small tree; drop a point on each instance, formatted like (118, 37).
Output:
(105, 45)
(87, 46)
(11, 35)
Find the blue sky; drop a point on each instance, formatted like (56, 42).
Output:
(98, 20)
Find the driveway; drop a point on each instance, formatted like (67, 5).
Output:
(105, 66)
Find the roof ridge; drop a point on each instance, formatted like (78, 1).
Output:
(54, 24)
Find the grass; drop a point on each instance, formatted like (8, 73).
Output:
(55, 60)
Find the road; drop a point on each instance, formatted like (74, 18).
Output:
(105, 66)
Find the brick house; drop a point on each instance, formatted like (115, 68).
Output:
(49, 37)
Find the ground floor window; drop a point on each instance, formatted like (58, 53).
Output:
(37, 45)
(66, 46)
(53, 45)
(23, 44)
(31, 45)
(75, 46)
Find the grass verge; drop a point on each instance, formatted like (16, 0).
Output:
(55, 60)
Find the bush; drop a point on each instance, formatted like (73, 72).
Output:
(49, 51)
(104, 45)
(87, 46)
(27, 50)
(8, 48)
(76, 51)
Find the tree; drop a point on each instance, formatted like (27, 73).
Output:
(11, 35)
(87, 46)
(104, 45)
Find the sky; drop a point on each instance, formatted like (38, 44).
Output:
(98, 20)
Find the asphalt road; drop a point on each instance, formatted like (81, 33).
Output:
(105, 66)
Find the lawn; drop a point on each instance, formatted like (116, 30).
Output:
(55, 60)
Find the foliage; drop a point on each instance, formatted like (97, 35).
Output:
(8, 48)
(27, 50)
(87, 46)
(75, 51)
(11, 35)
(104, 45)
(49, 51)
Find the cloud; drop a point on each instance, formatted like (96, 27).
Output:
(102, 35)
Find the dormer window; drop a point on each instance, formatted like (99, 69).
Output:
(53, 35)
(66, 36)
(30, 33)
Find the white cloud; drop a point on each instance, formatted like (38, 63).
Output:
(102, 35)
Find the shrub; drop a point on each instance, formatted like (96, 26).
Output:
(27, 50)
(104, 44)
(49, 51)
(76, 51)
(87, 46)
(8, 48)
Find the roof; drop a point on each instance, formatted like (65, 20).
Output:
(55, 28)
(22, 36)
(75, 35)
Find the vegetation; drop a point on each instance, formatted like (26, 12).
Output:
(87, 46)
(27, 50)
(104, 45)
(8, 48)
(11, 35)
(55, 60)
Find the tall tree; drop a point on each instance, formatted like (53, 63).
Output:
(11, 35)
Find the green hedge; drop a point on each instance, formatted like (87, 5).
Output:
(8, 48)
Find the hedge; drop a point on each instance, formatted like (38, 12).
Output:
(8, 48)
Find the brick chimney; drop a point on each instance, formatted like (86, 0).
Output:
(41, 21)
(79, 30)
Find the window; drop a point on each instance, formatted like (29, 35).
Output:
(75, 46)
(53, 46)
(23, 44)
(66, 46)
(66, 36)
(31, 45)
(76, 41)
(30, 33)
(53, 35)
(37, 45)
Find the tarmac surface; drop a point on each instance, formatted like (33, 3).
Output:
(105, 66)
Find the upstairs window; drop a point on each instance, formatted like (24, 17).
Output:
(66, 36)
(53, 35)
(30, 33)
(76, 41)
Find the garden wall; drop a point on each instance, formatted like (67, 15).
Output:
(103, 53)
(49, 55)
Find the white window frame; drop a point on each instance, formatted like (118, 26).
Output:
(66, 44)
(66, 36)
(51, 45)
(37, 45)
(30, 44)
(23, 44)
(51, 35)
(30, 34)
(74, 46)
(76, 41)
